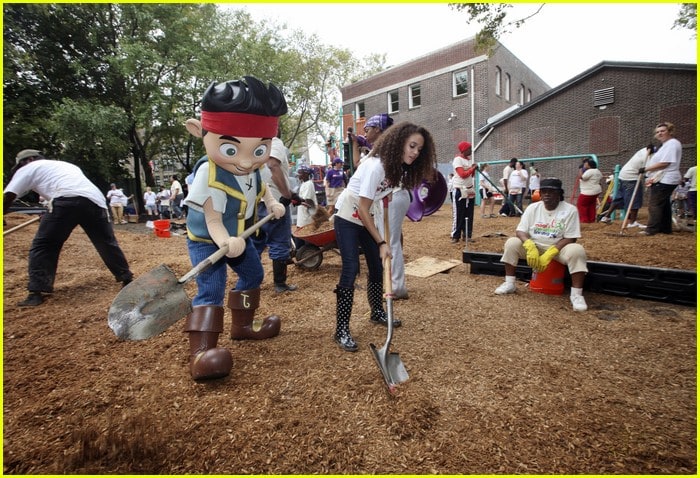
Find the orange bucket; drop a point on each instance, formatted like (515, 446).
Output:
(549, 281)
(162, 227)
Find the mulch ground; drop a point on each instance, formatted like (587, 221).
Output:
(498, 385)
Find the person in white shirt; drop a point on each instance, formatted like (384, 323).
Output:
(691, 176)
(149, 199)
(589, 182)
(628, 178)
(506, 208)
(404, 155)
(73, 200)
(517, 185)
(176, 197)
(548, 231)
(666, 175)
(463, 205)
(117, 199)
(307, 194)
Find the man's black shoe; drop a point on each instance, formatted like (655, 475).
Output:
(32, 300)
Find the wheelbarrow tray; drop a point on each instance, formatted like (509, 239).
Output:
(319, 239)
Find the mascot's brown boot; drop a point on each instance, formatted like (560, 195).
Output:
(243, 304)
(204, 325)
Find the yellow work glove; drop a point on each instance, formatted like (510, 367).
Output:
(547, 257)
(533, 255)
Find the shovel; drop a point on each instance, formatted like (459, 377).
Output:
(390, 364)
(156, 300)
(629, 208)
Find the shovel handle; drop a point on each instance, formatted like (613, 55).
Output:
(32, 220)
(221, 252)
(387, 260)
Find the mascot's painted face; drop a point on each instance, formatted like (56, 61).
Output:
(237, 155)
(239, 120)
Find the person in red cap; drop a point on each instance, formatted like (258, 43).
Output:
(239, 120)
(464, 193)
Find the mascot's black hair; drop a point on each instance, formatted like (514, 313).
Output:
(247, 95)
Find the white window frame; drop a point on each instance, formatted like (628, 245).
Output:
(411, 96)
(498, 81)
(389, 102)
(507, 88)
(360, 109)
(521, 94)
(455, 82)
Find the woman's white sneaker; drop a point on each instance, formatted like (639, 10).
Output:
(579, 303)
(505, 288)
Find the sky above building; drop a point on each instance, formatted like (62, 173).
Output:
(558, 43)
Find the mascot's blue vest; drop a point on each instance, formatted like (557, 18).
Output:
(236, 205)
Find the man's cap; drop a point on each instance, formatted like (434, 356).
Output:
(337, 160)
(26, 153)
(550, 183)
(304, 170)
(463, 146)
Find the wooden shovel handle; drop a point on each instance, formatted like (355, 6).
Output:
(221, 252)
(387, 260)
(32, 220)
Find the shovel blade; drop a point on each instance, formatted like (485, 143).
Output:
(148, 305)
(391, 366)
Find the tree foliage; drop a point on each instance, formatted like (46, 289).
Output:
(100, 84)
(688, 18)
(491, 16)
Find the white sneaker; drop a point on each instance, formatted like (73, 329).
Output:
(604, 219)
(579, 303)
(636, 224)
(505, 288)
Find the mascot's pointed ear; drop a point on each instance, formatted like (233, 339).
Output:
(194, 127)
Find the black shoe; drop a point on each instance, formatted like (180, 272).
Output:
(279, 288)
(127, 281)
(346, 342)
(382, 320)
(455, 241)
(32, 300)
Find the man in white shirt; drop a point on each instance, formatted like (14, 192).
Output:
(73, 201)
(665, 175)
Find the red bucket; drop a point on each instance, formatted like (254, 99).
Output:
(162, 227)
(549, 281)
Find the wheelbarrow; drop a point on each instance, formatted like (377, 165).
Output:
(310, 255)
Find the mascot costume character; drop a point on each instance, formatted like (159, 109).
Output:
(239, 120)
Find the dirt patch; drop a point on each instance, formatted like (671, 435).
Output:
(515, 384)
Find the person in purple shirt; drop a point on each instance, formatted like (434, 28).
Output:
(334, 182)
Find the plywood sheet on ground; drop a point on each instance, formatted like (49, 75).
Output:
(428, 266)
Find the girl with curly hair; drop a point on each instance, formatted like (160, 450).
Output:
(402, 157)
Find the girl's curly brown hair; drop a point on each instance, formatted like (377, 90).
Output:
(389, 148)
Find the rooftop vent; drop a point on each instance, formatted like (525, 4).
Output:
(606, 96)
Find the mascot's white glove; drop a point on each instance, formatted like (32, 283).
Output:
(236, 247)
(278, 210)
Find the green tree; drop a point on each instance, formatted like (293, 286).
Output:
(688, 18)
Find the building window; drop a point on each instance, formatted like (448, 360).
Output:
(360, 110)
(393, 101)
(507, 87)
(521, 94)
(529, 95)
(414, 96)
(460, 83)
(498, 81)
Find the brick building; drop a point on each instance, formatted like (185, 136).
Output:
(452, 92)
(499, 104)
(609, 110)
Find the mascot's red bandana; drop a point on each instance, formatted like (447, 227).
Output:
(245, 125)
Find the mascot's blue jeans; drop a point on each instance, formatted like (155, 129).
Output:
(211, 283)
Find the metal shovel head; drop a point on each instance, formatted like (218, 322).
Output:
(148, 305)
(391, 366)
